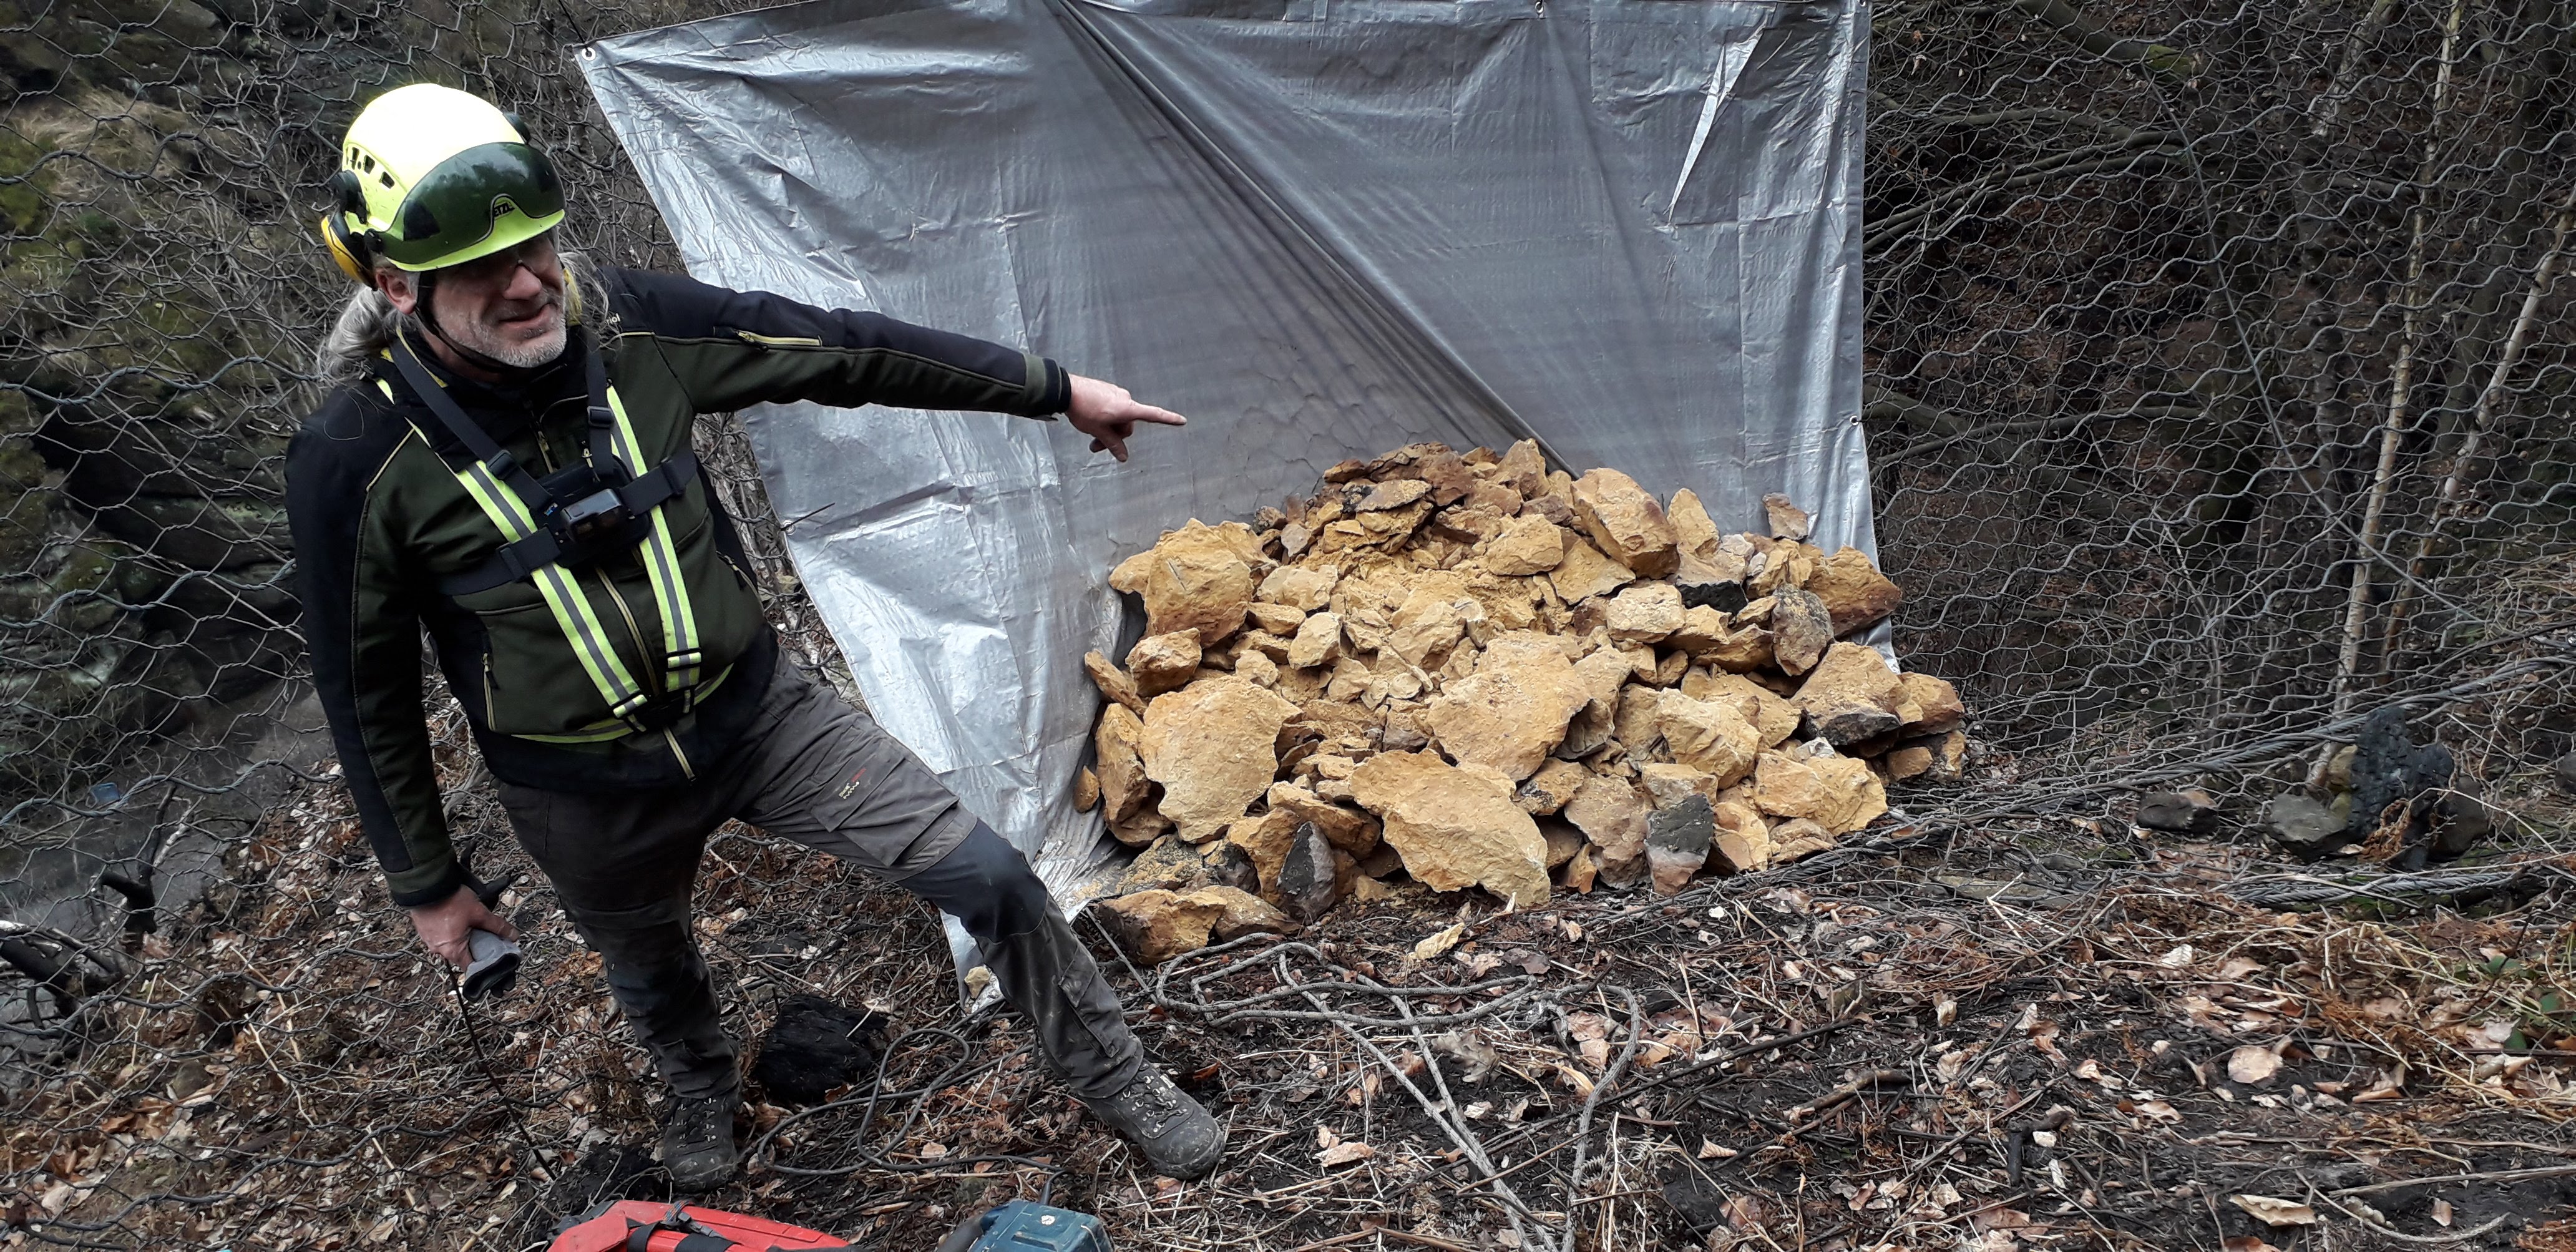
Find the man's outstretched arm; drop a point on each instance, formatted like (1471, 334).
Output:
(729, 349)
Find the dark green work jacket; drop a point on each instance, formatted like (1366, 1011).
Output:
(380, 519)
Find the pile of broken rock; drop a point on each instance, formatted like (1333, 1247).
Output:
(1483, 673)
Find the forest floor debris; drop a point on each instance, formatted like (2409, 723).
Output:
(2025, 1032)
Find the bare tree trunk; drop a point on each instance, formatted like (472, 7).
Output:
(2464, 462)
(2391, 433)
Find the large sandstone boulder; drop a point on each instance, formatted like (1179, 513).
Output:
(1856, 595)
(1156, 925)
(1198, 577)
(1931, 705)
(1775, 716)
(1513, 710)
(1455, 827)
(1802, 628)
(1837, 792)
(1645, 613)
(1212, 745)
(1123, 784)
(1712, 736)
(1693, 533)
(1528, 544)
(1851, 696)
(1585, 572)
(1612, 813)
(1626, 522)
(1163, 663)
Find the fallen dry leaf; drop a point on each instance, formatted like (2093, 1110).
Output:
(2442, 1213)
(2274, 1211)
(2177, 957)
(2158, 1111)
(2253, 1063)
(2246, 1243)
(1440, 941)
(1344, 1153)
(1710, 1151)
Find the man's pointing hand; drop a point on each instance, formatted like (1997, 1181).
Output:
(1109, 415)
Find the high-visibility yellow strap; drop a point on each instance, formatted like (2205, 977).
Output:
(563, 595)
(662, 566)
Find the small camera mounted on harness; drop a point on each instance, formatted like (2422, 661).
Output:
(595, 520)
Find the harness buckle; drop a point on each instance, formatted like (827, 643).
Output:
(661, 712)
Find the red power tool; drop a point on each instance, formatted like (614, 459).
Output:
(643, 1226)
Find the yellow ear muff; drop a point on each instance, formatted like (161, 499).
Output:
(348, 249)
(356, 257)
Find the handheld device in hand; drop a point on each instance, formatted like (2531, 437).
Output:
(495, 967)
(1020, 1226)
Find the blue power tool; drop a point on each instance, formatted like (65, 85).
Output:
(1020, 1226)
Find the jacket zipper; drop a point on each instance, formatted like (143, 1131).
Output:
(779, 341)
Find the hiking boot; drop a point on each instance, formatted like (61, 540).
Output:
(697, 1142)
(1173, 1133)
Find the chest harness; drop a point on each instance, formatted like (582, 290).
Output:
(554, 527)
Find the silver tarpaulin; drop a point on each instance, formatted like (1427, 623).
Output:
(1321, 228)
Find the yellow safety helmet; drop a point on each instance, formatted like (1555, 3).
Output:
(431, 177)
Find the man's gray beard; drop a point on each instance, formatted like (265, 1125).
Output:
(521, 353)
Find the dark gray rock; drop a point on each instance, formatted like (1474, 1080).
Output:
(1853, 727)
(1310, 880)
(2185, 812)
(2388, 766)
(1677, 841)
(1228, 865)
(2304, 827)
(1702, 587)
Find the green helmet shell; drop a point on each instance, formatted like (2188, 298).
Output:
(434, 177)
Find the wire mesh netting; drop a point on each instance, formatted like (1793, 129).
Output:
(2218, 397)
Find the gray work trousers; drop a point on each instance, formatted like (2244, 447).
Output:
(814, 770)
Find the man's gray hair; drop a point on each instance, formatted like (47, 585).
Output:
(368, 323)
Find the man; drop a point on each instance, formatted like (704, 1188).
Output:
(512, 471)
